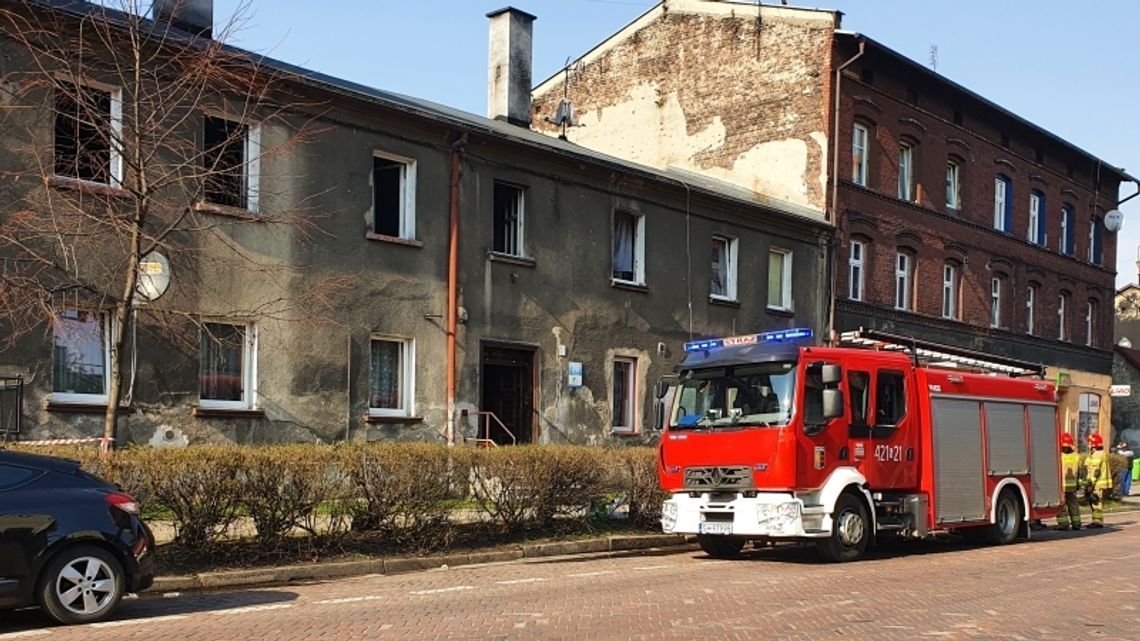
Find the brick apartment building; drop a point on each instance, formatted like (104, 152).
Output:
(958, 222)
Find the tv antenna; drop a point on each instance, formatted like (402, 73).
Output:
(564, 115)
(934, 57)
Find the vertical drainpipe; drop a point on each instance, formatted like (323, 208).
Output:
(453, 281)
(833, 212)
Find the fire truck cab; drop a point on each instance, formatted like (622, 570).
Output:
(767, 439)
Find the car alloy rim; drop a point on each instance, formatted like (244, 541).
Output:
(85, 585)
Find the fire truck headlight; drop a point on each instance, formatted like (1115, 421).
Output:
(668, 516)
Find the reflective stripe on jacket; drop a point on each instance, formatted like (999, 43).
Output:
(1096, 470)
(1070, 468)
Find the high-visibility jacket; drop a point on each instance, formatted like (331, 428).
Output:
(1096, 470)
(1070, 469)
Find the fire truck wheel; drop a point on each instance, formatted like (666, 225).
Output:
(850, 531)
(1007, 519)
(720, 547)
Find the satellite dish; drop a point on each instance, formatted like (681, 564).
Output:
(154, 276)
(1113, 220)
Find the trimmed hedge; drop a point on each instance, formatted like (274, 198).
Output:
(410, 496)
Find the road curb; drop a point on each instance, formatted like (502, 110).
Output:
(402, 565)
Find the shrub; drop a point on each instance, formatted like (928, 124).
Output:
(200, 486)
(282, 485)
(644, 496)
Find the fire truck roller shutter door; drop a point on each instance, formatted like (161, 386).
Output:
(1005, 438)
(959, 490)
(1043, 441)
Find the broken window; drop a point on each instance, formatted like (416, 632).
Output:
(227, 163)
(508, 214)
(86, 123)
(393, 196)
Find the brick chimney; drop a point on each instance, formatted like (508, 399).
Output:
(194, 16)
(509, 66)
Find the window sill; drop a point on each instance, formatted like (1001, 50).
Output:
(225, 210)
(217, 412)
(62, 407)
(87, 186)
(630, 286)
(511, 259)
(381, 418)
(395, 240)
(726, 302)
(781, 311)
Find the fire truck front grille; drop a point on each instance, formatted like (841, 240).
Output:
(714, 478)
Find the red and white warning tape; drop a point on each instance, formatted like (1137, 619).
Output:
(62, 441)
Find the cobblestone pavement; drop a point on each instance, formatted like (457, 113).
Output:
(1061, 585)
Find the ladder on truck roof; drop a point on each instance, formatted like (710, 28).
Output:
(932, 353)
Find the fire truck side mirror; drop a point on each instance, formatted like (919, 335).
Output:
(831, 374)
(832, 402)
(661, 388)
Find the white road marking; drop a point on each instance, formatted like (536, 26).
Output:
(171, 595)
(351, 599)
(516, 581)
(25, 633)
(581, 574)
(123, 622)
(253, 608)
(451, 589)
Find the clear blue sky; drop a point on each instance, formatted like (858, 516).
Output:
(1070, 67)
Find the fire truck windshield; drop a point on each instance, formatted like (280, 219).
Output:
(740, 396)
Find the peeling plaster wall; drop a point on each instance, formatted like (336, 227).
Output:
(711, 87)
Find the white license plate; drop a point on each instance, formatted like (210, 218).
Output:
(714, 528)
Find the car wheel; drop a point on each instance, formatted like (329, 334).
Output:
(81, 584)
(1007, 519)
(850, 531)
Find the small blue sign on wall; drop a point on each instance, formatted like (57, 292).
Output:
(575, 374)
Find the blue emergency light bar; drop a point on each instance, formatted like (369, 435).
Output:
(781, 336)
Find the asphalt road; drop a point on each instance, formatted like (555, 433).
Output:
(1061, 585)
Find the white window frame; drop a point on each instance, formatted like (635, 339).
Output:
(638, 247)
(995, 302)
(950, 291)
(1030, 308)
(953, 184)
(1034, 217)
(906, 172)
(904, 269)
(251, 159)
(1090, 324)
(520, 216)
(1062, 304)
(249, 371)
(785, 294)
(632, 395)
(407, 192)
(1092, 241)
(106, 323)
(1066, 229)
(407, 376)
(1001, 187)
(860, 137)
(116, 116)
(855, 270)
(730, 247)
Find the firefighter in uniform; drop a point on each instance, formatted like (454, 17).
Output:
(1070, 516)
(1098, 480)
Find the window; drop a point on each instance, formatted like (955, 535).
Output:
(393, 196)
(1095, 226)
(88, 127)
(953, 184)
(950, 291)
(81, 357)
(890, 398)
(1036, 232)
(231, 163)
(508, 206)
(623, 400)
(859, 387)
(1062, 317)
(391, 377)
(1003, 211)
(1030, 300)
(859, 139)
(995, 302)
(1090, 323)
(227, 366)
(723, 282)
(903, 270)
(906, 171)
(779, 279)
(629, 248)
(855, 271)
(1066, 245)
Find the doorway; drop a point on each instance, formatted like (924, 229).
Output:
(507, 375)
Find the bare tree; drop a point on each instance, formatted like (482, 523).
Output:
(133, 137)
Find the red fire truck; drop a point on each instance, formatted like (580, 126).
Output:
(768, 439)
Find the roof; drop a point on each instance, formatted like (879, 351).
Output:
(1131, 356)
(930, 73)
(449, 116)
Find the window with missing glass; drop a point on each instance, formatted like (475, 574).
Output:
(393, 196)
(88, 120)
(229, 163)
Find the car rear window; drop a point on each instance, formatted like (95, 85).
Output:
(16, 475)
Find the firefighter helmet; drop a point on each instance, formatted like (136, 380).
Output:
(1096, 440)
(1067, 440)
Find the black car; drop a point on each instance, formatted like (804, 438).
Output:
(69, 542)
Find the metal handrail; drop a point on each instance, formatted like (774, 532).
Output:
(487, 416)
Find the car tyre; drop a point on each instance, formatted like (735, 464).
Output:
(81, 584)
(1007, 520)
(850, 531)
